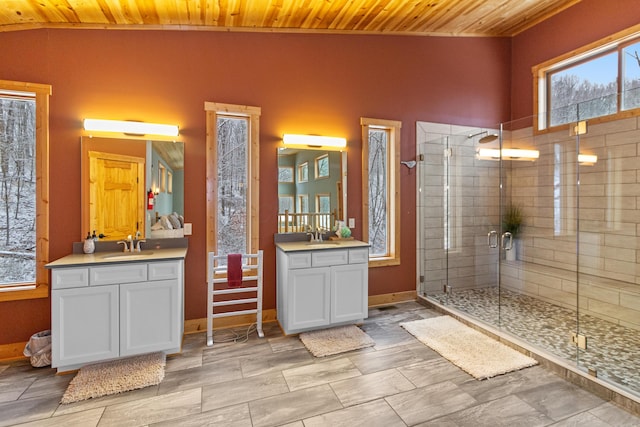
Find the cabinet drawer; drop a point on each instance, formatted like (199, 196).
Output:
(299, 260)
(115, 274)
(69, 278)
(357, 256)
(326, 258)
(164, 270)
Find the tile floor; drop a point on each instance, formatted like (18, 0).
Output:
(275, 381)
(611, 348)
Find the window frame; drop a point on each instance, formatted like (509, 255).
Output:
(319, 197)
(290, 169)
(393, 188)
(252, 114)
(162, 177)
(317, 161)
(302, 172)
(302, 203)
(41, 92)
(541, 82)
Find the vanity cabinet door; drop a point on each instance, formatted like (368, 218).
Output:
(349, 292)
(308, 298)
(150, 317)
(84, 325)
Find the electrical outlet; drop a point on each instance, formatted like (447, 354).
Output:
(187, 229)
(352, 223)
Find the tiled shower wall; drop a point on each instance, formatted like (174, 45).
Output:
(608, 257)
(609, 222)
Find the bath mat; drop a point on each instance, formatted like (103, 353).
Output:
(327, 342)
(117, 376)
(470, 350)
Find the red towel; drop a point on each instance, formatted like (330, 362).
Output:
(234, 270)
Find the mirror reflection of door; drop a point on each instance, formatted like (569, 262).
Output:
(116, 194)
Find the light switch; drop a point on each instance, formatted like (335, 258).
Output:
(352, 223)
(187, 229)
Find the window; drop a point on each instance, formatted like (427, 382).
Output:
(323, 203)
(285, 174)
(24, 190)
(381, 189)
(600, 81)
(631, 76)
(285, 204)
(322, 166)
(583, 91)
(162, 178)
(303, 203)
(232, 178)
(303, 172)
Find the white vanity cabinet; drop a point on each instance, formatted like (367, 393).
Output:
(101, 312)
(321, 288)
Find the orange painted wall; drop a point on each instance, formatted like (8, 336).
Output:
(304, 83)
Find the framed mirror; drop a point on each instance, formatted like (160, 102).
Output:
(132, 187)
(311, 189)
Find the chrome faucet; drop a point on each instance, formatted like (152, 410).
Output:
(138, 248)
(131, 244)
(316, 236)
(125, 248)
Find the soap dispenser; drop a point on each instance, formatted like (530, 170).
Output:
(89, 245)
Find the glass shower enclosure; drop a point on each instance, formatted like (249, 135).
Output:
(536, 235)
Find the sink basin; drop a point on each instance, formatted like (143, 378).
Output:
(322, 244)
(128, 255)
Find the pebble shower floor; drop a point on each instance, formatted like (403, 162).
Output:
(611, 348)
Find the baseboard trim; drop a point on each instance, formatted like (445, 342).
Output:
(392, 298)
(195, 326)
(13, 351)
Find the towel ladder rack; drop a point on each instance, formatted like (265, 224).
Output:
(216, 273)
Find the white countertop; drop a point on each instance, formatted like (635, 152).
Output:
(148, 255)
(326, 245)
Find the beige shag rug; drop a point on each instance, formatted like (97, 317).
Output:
(117, 376)
(470, 350)
(327, 342)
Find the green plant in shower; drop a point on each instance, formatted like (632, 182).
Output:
(512, 219)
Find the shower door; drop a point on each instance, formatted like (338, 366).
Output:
(459, 213)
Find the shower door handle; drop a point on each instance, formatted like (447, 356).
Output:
(492, 239)
(508, 238)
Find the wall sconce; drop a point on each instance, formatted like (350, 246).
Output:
(314, 140)
(587, 159)
(507, 154)
(129, 127)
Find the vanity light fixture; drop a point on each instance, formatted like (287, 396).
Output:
(587, 159)
(507, 154)
(314, 140)
(129, 127)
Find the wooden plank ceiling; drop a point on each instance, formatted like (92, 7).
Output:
(407, 17)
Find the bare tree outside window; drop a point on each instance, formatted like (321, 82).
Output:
(322, 166)
(631, 77)
(585, 90)
(285, 174)
(378, 172)
(604, 82)
(17, 190)
(232, 150)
